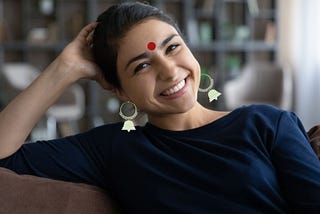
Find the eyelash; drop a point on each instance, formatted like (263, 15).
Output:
(144, 64)
(140, 67)
(171, 48)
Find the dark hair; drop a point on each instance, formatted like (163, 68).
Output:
(114, 23)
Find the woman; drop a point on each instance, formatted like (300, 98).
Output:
(186, 159)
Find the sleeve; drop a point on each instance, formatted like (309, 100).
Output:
(297, 165)
(81, 158)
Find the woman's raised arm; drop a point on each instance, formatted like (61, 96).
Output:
(24, 111)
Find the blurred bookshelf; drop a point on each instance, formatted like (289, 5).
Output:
(36, 31)
(227, 34)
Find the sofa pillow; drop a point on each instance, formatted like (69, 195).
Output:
(30, 194)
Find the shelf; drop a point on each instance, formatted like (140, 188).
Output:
(25, 46)
(235, 1)
(203, 14)
(235, 46)
(232, 28)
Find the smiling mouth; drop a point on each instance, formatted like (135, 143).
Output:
(174, 89)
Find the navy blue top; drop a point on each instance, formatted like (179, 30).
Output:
(257, 159)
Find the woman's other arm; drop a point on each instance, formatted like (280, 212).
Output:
(24, 111)
(297, 165)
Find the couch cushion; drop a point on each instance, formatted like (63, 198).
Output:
(30, 194)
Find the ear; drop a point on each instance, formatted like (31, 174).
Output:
(121, 94)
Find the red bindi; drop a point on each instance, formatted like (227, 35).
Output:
(151, 46)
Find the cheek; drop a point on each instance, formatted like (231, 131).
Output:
(192, 63)
(195, 67)
(140, 87)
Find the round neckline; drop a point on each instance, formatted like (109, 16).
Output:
(218, 123)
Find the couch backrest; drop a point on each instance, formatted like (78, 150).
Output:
(30, 194)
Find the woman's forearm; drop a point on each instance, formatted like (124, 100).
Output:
(23, 112)
(20, 116)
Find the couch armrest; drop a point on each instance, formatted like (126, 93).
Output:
(314, 136)
(30, 194)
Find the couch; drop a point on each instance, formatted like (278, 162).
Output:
(24, 194)
(27, 194)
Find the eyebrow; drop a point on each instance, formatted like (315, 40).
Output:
(146, 54)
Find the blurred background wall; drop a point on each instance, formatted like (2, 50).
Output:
(300, 48)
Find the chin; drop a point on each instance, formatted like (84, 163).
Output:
(188, 105)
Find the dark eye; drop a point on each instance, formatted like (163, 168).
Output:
(171, 48)
(140, 67)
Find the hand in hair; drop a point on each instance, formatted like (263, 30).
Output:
(78, 59)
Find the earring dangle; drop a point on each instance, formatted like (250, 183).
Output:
(212, 93)
(128, 124)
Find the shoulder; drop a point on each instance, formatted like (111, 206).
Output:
(100, 135)
(264, 116)
(271, 117)
(104, 137)
(262, 109)
(267, 113)
(105, 129)
(111, 132)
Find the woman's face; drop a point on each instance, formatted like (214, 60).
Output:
(156, 69)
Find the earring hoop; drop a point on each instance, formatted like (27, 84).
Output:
(131, 117)
(212, 93)
(210, 84)
(128, 124)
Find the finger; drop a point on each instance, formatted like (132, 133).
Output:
(86, 31)
(105, 85)
(90, 39)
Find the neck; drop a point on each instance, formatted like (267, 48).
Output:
(195, 117)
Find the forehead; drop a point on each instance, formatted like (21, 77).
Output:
(137, 38)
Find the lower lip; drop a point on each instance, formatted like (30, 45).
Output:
(178, 93)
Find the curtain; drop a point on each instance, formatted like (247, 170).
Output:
(306, 60)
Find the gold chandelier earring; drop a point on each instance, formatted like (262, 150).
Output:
(212, 93)
(131, 109)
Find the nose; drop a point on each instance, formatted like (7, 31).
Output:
(166, 68)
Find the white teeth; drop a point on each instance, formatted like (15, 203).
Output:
(174, 89)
